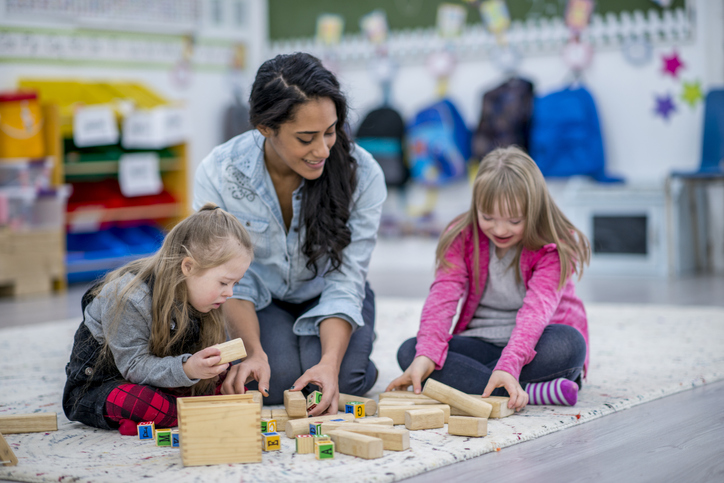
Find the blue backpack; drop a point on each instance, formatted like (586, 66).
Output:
(565, 137)
(438, 145)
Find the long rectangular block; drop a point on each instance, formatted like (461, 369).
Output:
(392, 439)
(407, 402)
(474, 406)
(376, 420)
(403, 395)
(500, 407)
(7, 456)
(295, 404)
(427, 418)
(28, 423)
(357, 444)
(301, 425)
(397, 413)
(231, 350)
(467, 426)
(370, 404)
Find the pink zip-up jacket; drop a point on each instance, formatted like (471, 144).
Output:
(543, 303)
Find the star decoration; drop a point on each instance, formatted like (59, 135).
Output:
(692, 93)
(672, 64)
(665, 106)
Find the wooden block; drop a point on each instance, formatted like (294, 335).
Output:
(357, 444)
(28, 423)
(271, 441)
(266, 413)
(281, 417)
(500, 407)
(301, 425)
(7, 457)
(219, 429)
(403, 395)
(324, 450)
(146, 430)
(355, 407)
(268, 425)
(370, 404)
(304, 443)
(392, 439)
(467, 426)
(376, 420)
(315, 428)
(474, 406)
(175, 438)
(313, 399)
(231, 350)
(257, 397)
(163, 437)
(295, 404)
(428, 418)
(397, 413)
(407, 402)
(321, 437)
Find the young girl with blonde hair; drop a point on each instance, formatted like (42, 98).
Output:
(148, 326)
(510, 259)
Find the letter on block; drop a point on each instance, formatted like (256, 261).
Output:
(305, 443)
(313, 399)
(175, 438)
(428, 418)
(163, 437)
(467, 426)
(315, 428)
(355, 407)
(232, 350)
(146, 430)
(472, 405)
(295, 404)
(324, 450)
(355, 444)
(268, 426)
(270, 441)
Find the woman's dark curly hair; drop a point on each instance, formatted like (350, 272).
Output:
(282, 85)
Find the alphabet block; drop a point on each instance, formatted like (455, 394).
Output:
(28, 423)
(163, 437)
(268, 426)
(427, 418)
(271, 441)
(355, 407)
(472, 405)
(397, 413)
(304, 443)
(324, 450)
(370, 404)
(356, 444)
(175, 438)
(315, 428)
(301, 425)
(295, 404)
(322, 437)
(313, 399)
(467, 426)
(146, 430)
(231, 350)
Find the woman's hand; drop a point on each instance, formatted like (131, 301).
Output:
(326, 376)
(419, 370)
(255, 367)
(203, 364)
(518, 396)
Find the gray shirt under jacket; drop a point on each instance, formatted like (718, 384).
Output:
(503, 296)
(128, 340)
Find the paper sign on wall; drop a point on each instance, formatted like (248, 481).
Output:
(94, 126)
(139, 175)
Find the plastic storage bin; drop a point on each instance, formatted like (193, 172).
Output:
(21, 125)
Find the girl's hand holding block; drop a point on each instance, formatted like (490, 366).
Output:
(232, 350)
(204, 364)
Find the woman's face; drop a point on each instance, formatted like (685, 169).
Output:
(302, 145)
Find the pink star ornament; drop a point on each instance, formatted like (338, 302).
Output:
(672, 64)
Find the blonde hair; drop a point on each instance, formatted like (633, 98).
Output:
(210, 237)
(509, 180)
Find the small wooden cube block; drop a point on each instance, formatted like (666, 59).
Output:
(305, 443)
(315, 428)
(295, 404)
(313, 399)
(467, 426)
(268, 426)
(163, 437)
(355, 407)
(429, 418)
(271, 441)
(231, 350)
(324, 450)
(322, 437)
(146, 430)
(175, 438)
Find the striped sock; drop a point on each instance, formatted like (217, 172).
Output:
(559, 392)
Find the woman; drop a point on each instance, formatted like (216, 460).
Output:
(312, 202)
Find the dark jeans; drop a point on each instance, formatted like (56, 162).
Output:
(291, 355)
(560, 352)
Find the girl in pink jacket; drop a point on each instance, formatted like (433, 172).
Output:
(510, 259)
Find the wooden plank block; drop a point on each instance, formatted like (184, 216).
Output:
(28, 423)
(397, 413)
(295, 427)
(375, 420)
(7, 457)
(370, 404)
(393, 439)
(406, 402)
(426, 418)
(500, 407)
(231, 350)
(403, 395)
(357, 444)
(467, 426)
(474, 406)
(295, 404)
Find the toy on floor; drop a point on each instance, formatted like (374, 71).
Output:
(7, 457)
(270, 441)
(313, 399)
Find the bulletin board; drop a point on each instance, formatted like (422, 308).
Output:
(297, 18)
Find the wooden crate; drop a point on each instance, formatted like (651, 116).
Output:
(219, 430)
(31, 262)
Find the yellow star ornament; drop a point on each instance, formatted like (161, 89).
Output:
(692, 93)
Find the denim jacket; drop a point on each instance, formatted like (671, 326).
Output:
(235, 177)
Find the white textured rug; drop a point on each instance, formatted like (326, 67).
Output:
(639, 353)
